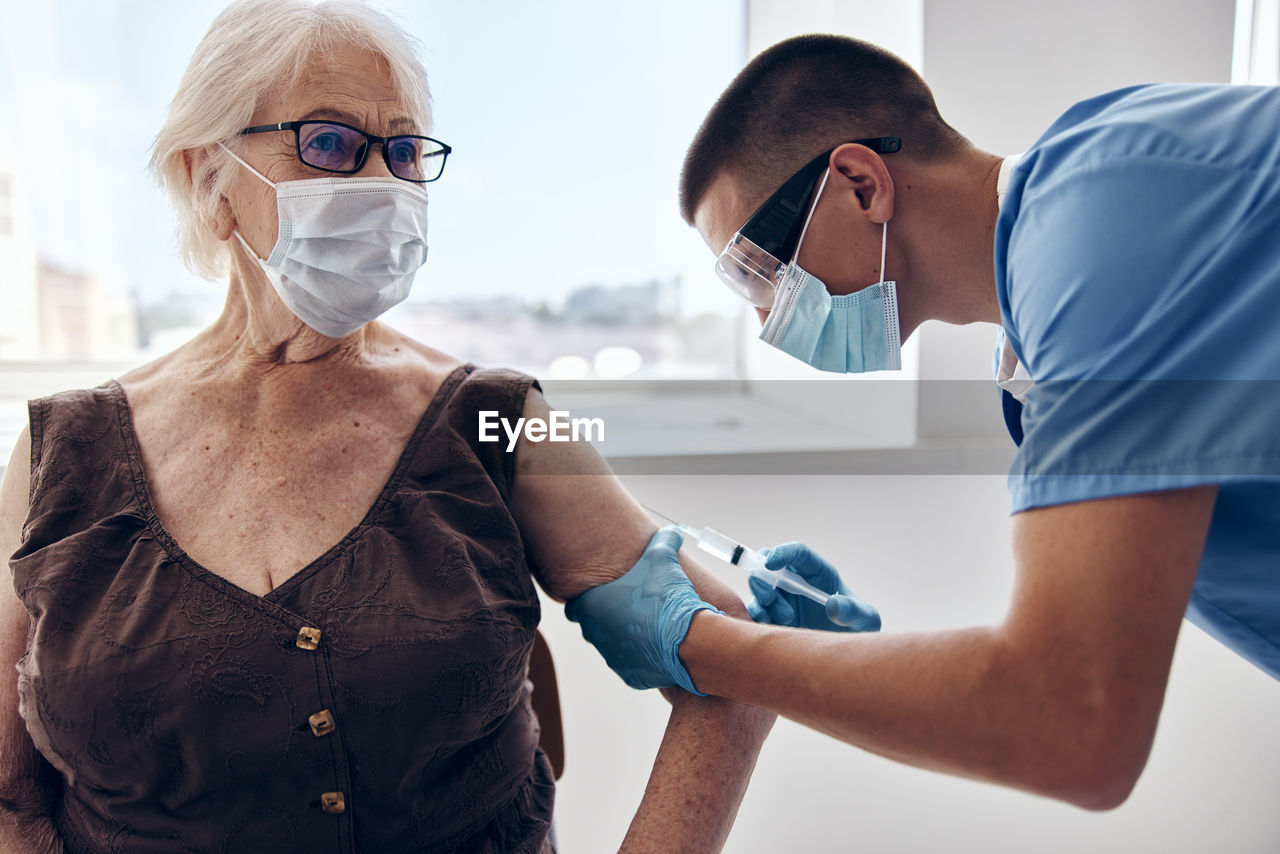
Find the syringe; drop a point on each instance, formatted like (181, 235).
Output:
(732, 552)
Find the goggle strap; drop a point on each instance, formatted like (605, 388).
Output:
(773, 226)
(808, 217)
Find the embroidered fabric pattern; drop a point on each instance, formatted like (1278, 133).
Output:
(375, 701)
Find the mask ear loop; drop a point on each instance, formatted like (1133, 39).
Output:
(884, 233)
(248, 248)
(237, 159)
(884, 242)
(268, 182)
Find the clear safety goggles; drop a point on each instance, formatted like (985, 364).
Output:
(753, 262)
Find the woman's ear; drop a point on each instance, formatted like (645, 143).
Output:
(201, 180)
(224, 219)
(867, 177)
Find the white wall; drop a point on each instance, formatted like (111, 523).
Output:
(930, 552)
(1001, 72)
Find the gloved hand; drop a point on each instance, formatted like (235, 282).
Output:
(844, 611)
(638, 621)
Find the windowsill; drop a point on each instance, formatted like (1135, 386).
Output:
(727, 427)
(949, 458)
(752, 428)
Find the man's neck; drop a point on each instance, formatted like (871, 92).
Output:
(946, 214)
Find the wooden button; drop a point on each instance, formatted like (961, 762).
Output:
(308, 638)
(322, 722)
(333, 803)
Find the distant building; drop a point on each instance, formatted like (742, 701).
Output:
(48, 312)
(20, 316)
(622, 305)
(80, 319)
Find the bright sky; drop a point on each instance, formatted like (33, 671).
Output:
(568, 119)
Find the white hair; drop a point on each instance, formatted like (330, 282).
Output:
(256, 49)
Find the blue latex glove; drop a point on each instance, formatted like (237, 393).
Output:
(844, 612)
(638, 621)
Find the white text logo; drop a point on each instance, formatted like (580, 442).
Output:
(560, 428)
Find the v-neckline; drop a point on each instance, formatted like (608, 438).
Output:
(142, 490)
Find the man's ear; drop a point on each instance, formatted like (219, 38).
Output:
(223, 221)
(866, 175)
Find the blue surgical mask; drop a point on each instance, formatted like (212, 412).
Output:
(852, 333)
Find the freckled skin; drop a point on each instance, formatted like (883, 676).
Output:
(269, 402)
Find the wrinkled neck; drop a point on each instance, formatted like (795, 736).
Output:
(260, 329)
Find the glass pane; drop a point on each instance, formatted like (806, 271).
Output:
(415, 157)
(569, 123)
(332, 147)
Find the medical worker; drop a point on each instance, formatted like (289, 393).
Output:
(1131, 258)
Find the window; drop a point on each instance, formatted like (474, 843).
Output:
(6, 206)
(1257, 43)
(556, 244)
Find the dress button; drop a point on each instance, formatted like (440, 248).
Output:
(322, 722)
(308, 638)
(333, 803)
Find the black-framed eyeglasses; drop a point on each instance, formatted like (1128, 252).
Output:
(341, 148)
(754, 259)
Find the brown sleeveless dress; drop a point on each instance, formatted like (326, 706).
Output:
(376, 701)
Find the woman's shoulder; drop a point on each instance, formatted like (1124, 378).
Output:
(85, 414)
(472, 380)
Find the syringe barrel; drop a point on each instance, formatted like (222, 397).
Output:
(752, 561)
(721, 546)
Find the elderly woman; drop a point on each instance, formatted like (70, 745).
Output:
(272, 594)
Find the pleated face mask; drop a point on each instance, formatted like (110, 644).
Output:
(851, 333)
(347, 249)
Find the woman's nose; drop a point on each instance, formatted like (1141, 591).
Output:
(375, 164)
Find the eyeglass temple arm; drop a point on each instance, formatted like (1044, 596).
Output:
(881, 144)
(266, 128)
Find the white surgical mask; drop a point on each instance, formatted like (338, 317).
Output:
(347, 249)
(851, 333)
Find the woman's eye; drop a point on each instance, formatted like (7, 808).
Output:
(325, 143)
(404, 152)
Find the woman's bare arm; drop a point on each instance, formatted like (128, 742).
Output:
(710, 746)
(25, 826)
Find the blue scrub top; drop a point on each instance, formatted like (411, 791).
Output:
(1137, 259)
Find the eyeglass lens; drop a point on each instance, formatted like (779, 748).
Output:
(337, 148)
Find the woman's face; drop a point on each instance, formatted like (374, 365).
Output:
(349, 85)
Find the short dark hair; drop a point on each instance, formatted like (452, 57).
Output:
(801, 97)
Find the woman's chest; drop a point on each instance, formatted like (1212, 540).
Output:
(151, 683)
(255, 503)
